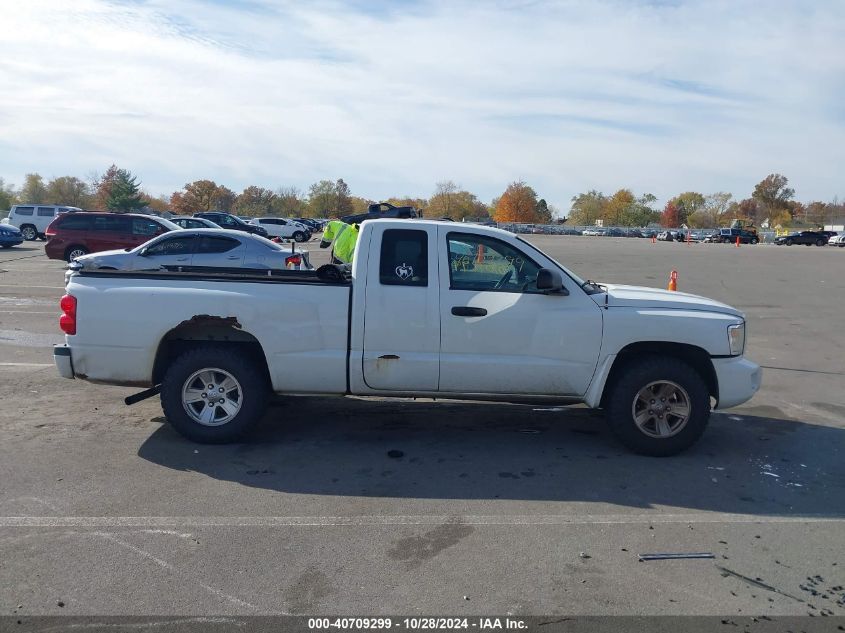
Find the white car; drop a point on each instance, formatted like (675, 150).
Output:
(837, 240)
(283, 228)
(197, 249)
(431, 309)
(33, 219)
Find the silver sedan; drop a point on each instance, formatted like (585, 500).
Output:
(212, 248)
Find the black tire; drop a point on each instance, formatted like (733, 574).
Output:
(754, 240)
(7, 245)
(788, 242)
(635, 376)
(299, 236)
(29, 232)
(253, 395)
(74, 251)
(820, 242)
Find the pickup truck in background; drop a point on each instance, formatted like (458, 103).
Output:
(431, 309)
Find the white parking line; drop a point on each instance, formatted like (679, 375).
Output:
(26, 364)
(28, 286)
(374, 520)
(56, 312)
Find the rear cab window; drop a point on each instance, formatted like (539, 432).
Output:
(24, 210)
(404, 258)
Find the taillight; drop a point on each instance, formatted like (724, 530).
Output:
(67, 322)
(293, 260)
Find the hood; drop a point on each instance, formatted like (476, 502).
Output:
(11, 228)
(642, 297)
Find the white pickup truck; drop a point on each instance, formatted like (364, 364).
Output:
(431, 309)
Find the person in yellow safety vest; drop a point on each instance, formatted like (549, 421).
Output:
(344, 244)
(331, 233)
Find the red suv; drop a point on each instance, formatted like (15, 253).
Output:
(72, 235)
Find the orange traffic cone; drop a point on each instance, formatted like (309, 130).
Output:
(673, 280)
(653, 239)
(479, 258)
(737, 241)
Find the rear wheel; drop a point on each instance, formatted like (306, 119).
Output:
(820, 242)
(754, 240)
(658, 406)
(212, 395)
(299, 236)
(29, 233)
(75, 251)
(789, 242)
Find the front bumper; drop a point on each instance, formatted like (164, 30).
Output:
(739, 379)
(64, 361)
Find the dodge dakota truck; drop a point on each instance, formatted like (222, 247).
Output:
(429, 309)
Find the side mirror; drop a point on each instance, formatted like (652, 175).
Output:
(550, 282)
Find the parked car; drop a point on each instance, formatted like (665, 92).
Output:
(198, 248)
(10, 236)
(188, 222)
(808, 238)
(233, 222)
(33, 219)
(667, 236)
(283, 228)
(314, 225)
(837, 240)
(649, 233)
(73, 235)
(412, 320)
(729, 236)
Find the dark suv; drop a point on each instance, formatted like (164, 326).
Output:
(229, 221)
(72, 235)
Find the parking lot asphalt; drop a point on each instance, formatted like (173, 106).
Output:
(482, 508)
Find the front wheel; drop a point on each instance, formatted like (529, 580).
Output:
(789, 242)
(820, 242)
(658, 406)
(754, 240)
(212, 396)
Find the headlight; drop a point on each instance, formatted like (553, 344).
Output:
(736, 338)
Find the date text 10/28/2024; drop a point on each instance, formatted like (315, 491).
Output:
(417, 623)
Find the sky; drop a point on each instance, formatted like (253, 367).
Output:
(394, 96)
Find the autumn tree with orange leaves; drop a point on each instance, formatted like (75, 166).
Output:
(517, 204)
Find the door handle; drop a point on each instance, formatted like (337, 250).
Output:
(181, 259)
(466, 311)
(233, 257)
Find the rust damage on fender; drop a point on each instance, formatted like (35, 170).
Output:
(208, 319)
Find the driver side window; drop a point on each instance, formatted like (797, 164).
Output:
(478, 262)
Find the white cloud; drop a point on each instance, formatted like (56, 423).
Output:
(660, 97)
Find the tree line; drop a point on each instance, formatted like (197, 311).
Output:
(771, 203)
(119, 190)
